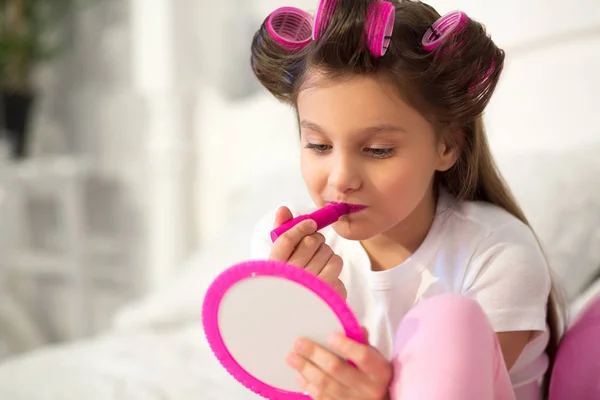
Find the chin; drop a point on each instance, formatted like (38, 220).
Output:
(353, 231)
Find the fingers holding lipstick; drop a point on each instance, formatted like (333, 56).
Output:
(324, 262)
(306, 250)
(303, 247)
(330, 273)
(320, 259)
(282, 216)
(286, 245)
(340, 288)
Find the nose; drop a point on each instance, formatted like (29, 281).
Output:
(344, 174)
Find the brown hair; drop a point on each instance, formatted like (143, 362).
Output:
(450, 86)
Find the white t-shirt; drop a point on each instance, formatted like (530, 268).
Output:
(472, 248)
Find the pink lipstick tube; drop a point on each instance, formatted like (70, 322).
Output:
(323, 217)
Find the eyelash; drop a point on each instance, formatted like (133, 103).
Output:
(376, 153)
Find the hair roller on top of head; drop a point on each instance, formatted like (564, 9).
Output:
(277, 50)
(290, 27)
(379, 27)
(451, 23)
(322, 17)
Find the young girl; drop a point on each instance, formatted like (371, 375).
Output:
(440, 265)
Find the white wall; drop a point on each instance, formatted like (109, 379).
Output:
(120, 96)
(548, 94)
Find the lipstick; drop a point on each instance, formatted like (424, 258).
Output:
(324, 216)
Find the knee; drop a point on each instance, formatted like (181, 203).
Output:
(443, 319)
(449, 311)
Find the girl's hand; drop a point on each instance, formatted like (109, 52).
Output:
(325, 376)
(304, 247)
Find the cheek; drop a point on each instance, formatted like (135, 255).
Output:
(397, 182)
(408, 178)
(312, 172)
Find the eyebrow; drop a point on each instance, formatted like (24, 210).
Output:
(381, 128)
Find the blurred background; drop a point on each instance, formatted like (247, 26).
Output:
(137, 151)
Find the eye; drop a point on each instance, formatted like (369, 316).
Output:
(318, 148)
(380, 153)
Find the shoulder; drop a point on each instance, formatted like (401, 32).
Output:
(497, 243)
(491, 219)
(506, 272)
(488, 226)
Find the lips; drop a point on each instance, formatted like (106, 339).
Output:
(351, 207)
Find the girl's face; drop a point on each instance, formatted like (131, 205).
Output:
(362, 144)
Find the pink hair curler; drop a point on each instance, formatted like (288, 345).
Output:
(254, 311)
(290, 27)
(380, 23)
(322, 17)
(451, 23)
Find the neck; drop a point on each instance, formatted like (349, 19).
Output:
(396, 245)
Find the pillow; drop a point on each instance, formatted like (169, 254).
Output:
(547, 97)
(559, 192)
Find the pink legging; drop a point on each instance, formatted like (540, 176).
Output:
(446, 349)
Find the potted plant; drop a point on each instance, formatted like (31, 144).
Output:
(31, 32)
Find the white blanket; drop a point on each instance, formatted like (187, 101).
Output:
(145, 365)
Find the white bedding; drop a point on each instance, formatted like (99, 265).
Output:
(156, 348)
(145, 365)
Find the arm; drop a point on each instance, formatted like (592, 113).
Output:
(512, 344)
(510, 280)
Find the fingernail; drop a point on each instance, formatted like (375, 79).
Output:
(291, 360)
(334, 339)
(299, 345)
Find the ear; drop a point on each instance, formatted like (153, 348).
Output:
(449, 148)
